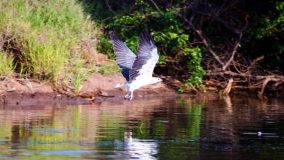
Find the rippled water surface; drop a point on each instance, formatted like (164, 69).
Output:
(167, 128)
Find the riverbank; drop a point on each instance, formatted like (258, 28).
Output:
(96, 89)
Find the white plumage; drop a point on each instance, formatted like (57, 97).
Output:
(137, 69)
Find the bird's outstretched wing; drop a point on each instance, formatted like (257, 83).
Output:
(147, 57)
(124, 56)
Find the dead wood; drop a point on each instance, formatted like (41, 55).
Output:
(276, 79)
(229, 87)
(245, 81)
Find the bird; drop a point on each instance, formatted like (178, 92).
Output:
(138, 68)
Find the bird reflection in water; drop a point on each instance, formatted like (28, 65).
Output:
(138, 148)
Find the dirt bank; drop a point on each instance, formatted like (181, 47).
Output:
(97, 89)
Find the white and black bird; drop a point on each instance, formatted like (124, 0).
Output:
(137, 69)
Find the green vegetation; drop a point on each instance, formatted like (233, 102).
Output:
(168, 33)
(195, 37)
(266, 34)
(55, 40)
(108, 69)
(45, 40)
(6, 64)
(89, 132)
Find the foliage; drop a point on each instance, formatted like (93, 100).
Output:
(80, 72)
(109, 68)
(194, 65)
(130, 18)
(46, 59)
(44, 38)
(6, 64)
(265, 36)
(221, 23)
(106, 47)
(271, 25)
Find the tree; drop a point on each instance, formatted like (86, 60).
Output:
(229, 37)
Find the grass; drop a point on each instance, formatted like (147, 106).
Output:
(109, 68)
(6, 65)
(45, 39)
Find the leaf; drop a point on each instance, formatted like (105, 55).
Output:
(173, 35)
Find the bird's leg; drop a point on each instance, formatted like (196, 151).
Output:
(129, 95)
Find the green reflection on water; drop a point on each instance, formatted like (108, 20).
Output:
(148, 129)
(99, 131)
(185, 145)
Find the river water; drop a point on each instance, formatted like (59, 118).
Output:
(164, 128)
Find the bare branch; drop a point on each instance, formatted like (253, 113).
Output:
(156, 6)
(204, 40)
(233, 54)
(109, 6)
(236, 46)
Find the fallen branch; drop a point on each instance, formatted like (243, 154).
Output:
(226, 73)
(278, 79)
(229, 87)
(245, 81)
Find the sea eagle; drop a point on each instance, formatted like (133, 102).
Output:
(137, 69)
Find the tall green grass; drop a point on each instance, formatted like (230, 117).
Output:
(6, 65)
(47, 36)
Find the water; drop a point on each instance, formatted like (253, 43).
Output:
(168, 128)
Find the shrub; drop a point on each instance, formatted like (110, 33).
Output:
(46, 37)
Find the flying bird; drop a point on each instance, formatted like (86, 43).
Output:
(136, 69)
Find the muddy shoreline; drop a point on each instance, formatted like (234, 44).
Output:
(97, 89)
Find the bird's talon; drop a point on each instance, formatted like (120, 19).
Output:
(126, 97)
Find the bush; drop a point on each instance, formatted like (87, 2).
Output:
(45, 38)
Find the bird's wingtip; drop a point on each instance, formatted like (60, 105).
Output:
(111, 34)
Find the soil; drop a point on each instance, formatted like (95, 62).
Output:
(97, 89)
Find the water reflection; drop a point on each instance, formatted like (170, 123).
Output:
(182, 128)
(138, 148)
